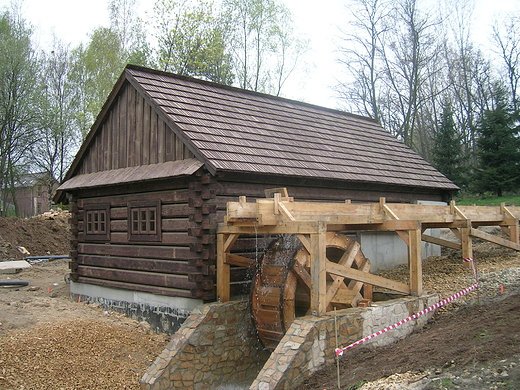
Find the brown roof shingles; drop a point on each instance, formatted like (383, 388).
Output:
(237, 130)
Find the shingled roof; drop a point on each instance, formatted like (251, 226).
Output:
(234, 130)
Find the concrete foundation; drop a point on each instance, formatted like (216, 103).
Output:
(165, 314)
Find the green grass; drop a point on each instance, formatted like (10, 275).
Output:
(508, 200)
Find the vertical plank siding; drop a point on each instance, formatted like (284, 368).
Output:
(132, 135)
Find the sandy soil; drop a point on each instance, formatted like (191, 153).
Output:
(48, 341)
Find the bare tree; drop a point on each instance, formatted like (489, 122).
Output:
(58, 135)
(361, 52)
(263, 47)
(507, 40)
(409, 60)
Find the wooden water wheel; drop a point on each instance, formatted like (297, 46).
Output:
(281, 288)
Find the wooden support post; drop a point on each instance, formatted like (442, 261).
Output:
(223, 270)
(465, 241)
(415, 261)
(318, 257)
(513, 230)
(514, 233)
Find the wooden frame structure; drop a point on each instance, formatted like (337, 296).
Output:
(310, 221)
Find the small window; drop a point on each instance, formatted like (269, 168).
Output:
(96, 222)
(144, 222)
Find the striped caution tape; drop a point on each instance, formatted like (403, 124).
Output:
(470, 260)
(339, 351)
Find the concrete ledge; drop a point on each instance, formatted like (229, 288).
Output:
(13, 267)
(165, 314)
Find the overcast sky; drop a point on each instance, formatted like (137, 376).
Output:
(72, 20)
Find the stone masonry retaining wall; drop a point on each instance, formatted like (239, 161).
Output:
(216, 345)
(310, 341)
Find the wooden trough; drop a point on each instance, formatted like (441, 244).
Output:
(325, 265)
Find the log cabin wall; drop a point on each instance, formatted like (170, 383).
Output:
(174, 262)
(180, 261)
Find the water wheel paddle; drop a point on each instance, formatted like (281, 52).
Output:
(281, 287)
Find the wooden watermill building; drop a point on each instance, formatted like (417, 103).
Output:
(166, 153)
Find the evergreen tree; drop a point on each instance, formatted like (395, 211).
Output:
(447, 149)
(499, 150)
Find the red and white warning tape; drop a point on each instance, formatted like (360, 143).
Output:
(339, 351)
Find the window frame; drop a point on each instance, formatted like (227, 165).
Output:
(99, 233)
(140, 230)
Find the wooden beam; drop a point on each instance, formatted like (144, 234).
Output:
(240, 261)
(223, 270)
(305, 241)
(494, 239)
(366, 277)
(415, 260)
(318, 257)
(465, 240)
(404, 236)
(440, 241)
(230, 241)
(513, 229)
(390, 224)
(386, 210)
(302, 273)
(346, 260)
(456, 211)
(457, 233)
(288, 227)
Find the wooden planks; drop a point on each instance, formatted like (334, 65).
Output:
(282, 215)
(267, 213)
(494, 239)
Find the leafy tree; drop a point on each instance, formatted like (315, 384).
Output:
(447, 149)
(18, 81)
(499, 144)
(57, 136)
(192, 40)
(95, 70)
(130, 29)
(264, 49)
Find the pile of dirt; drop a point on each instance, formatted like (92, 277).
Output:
(80, 353)
(45, 234)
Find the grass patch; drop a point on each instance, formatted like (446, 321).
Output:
(483, 335)
(508, 200)
(356, 386)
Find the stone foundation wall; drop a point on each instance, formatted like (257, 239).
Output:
(216, 345)
(310, 341)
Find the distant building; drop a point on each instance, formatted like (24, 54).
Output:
(32, 195)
